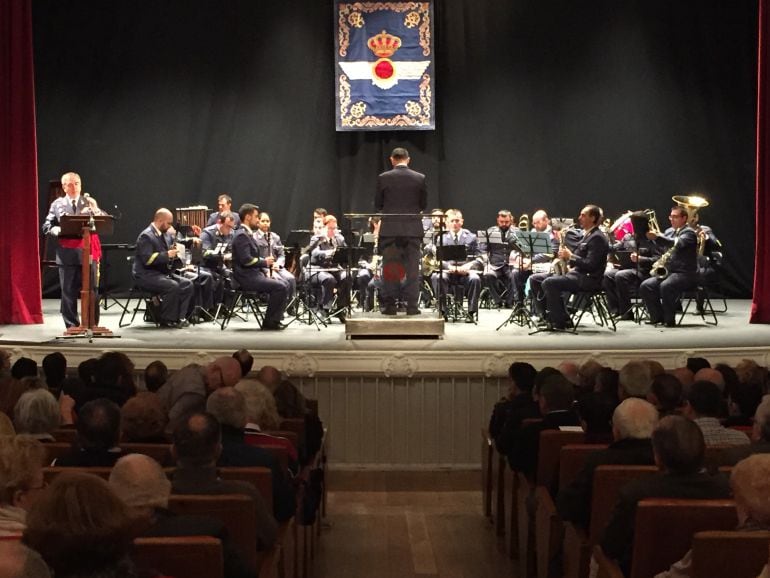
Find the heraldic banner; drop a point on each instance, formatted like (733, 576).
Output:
(384, 66)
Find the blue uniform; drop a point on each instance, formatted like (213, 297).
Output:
(472, 281)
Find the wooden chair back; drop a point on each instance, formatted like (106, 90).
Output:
(712, 459)
(65, 435)
(180, 556)
(654, 549)
(736, 554)
(50, 472)
(237, 513)
(280, 454)
(55, 450)
(260, 478)
(295, 424)
(607, 483)
(161, 453)
(290, 435)
(572, 459)
(549, 452)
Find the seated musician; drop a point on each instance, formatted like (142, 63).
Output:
(224, 203)
(368, 277)
(217, 240)
(250, 269)
(528, 264)
(619, 281)
(325, 273)
(709, 256)
(496, 255)
(676, 271)
(586, 270)
(466, 273)
(152, 271)
(270, 244)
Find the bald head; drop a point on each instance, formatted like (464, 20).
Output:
(684, 375)
(222, 372)
(712, 375)
(139, 481)
(569, 369)
(269, 376)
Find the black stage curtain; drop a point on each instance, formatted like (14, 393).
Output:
(540, 104)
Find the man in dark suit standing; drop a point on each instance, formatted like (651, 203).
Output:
(400, 190)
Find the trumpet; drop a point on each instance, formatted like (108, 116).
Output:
(523, 224)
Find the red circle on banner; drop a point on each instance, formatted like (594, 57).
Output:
(393, 271)
(383, 69)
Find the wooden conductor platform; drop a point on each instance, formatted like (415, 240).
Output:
(374, 325)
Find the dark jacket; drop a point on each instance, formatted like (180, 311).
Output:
(590, 256)
(574, 502)
(684, 257)
(618, 539)
(401, 190)
(237, 453)
(89, 458)
(151, 257)
(507, 417)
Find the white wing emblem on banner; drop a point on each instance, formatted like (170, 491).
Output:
(384, 73)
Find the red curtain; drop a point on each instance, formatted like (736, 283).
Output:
(20, 295)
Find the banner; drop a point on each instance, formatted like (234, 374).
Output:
(384, 66)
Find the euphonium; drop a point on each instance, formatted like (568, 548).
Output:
(523, 224)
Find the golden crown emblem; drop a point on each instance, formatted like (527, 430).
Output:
(383, 44)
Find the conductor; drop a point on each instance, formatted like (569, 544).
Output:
(400, 190)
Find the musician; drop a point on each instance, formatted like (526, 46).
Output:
(250, 268)
(541, 223)
(709, 257)
(270, 244)
(224, 203)
(401, 190)
(497, 256)
(216, 242)
(326, 274)
(152, 271)
(465, 273)
(368, 278)
(619, 282)
(69, 250)
(661, 291)
(587, 264)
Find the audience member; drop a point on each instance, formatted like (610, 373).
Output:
(749, 371)
(6, 426)
(24, 367)
(21, 480)
(587, 374)
(113, 379)
(291, 404)
(516, 406)
(270, 377)
(632, 424)
(742, 402)
(229, 407)
(245, 359)
(141, 484)
(679, 449)
(703, 405)
(18, 561)
(98, 436)
(143, 419)
(37, 414)
(606, 383)
(685, 377)
(197, 446)
(81, 529)
(712, 375)
(185, 391)
(555, 401)
(729, 375)
(22, 372)
(569, 369)
(656, 367)
(666, 394)
(155, 375)
(55, 370)
(760, 438)
(750, 483)
(634, 380)
(695, 364)
(595, 411)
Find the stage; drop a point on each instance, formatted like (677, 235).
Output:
(304, 350)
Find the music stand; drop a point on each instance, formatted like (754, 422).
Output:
(81, 226)
(300, 304)
(345, 257)
(528, 243)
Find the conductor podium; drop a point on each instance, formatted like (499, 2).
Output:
(82, 226)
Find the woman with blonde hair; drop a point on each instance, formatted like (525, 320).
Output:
(21, 479)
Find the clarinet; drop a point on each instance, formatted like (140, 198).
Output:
(269, 253)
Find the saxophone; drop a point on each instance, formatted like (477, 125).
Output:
(559, 266)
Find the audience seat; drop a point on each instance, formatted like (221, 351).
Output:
(606, 485)
(50, 472)
(487, 477)
(734, 554)
(181, 557)
(655, 550)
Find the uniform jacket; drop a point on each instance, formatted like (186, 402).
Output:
(69, 249)
(590, 256)
(684, 258)
(465, 237)
(152, 253)
(401, 190)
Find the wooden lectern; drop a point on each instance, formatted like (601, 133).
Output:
(81, 226)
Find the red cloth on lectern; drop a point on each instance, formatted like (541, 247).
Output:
(96, 245)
